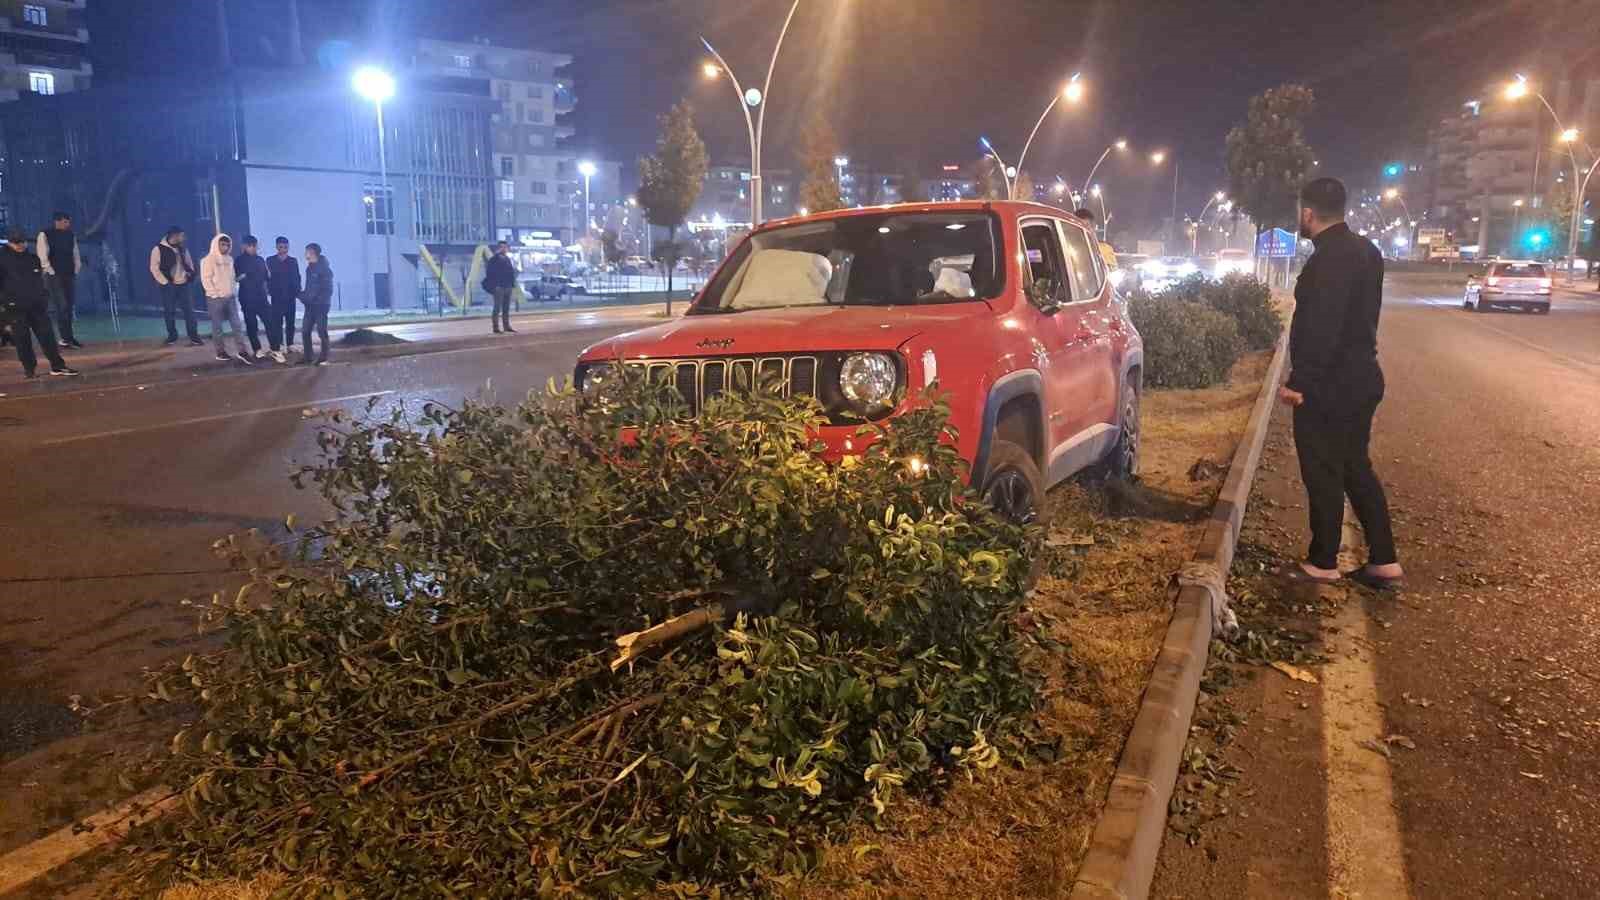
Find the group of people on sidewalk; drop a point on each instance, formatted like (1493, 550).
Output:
(250, 293)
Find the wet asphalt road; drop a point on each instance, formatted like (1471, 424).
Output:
(111, 496)
(1489, 440)
(1489, 664)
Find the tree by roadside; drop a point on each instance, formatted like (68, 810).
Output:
(671, 179)
(1269, 158)
(1022, 186)
(819, 185)
(990, 179)
(912, 190)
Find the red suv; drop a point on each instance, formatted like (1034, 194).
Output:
(1006, 305)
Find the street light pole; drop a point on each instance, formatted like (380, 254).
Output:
(1073, 92)
(377, 85)
(1194, 248)
(587, 170)
(757, 99)
(1004, 172)
(1118, 145)
(1521, 88)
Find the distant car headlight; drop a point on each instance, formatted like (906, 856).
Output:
(868, 381)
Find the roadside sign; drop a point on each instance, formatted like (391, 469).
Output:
(1441, 250)
(1426, 236)
(1275, 243)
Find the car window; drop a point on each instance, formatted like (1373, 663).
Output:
(862, 260)
(1518, 270)
(1083, 260)
(1042, 250)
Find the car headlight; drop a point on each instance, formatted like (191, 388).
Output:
(592, 375)
(868, 381)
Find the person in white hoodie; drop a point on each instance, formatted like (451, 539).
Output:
(221, 285)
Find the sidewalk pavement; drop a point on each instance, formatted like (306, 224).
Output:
(132, 361)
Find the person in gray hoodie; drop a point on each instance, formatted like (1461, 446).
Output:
(221, 284)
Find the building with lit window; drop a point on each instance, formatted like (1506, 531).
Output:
(295, 154)
(44, 47)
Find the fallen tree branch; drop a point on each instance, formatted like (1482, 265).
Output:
(631, 646)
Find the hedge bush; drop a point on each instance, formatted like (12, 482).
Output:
(581, 647)
(1186, 344)
(1244, 298)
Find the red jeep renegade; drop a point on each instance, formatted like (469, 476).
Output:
(1007, 305)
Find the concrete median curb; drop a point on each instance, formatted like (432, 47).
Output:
(1121, 859)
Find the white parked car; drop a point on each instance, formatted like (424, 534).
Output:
(1510, 284)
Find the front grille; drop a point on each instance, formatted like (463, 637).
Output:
(699, 380)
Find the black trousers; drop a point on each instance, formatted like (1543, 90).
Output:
(34, 322)
(1335, 463)
(316, 319)
(283, 309)
(173, 298)
(261, 312)
(500, 316)
(64, 291)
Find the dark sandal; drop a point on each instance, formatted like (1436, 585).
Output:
(1377, 582)
(1294, 574)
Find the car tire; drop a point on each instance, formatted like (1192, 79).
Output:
(1013, 486)
(1543, 309)
(1480, 306)
(1123, 462)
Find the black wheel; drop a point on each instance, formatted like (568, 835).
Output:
(1481, 306)
(1542, 309)
(1013, 486)
(1123, 463)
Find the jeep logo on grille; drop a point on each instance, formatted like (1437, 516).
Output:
(714, 344)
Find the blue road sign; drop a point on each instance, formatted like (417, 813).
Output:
(1275, 243)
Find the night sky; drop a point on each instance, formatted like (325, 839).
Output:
(915, 82)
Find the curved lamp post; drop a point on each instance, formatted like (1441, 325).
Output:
(756, 99)
(1120, 144)
(1072, 92)
(1516, 90)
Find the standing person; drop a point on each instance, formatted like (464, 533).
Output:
(173, 270)
(27, 305)
(283, 285)
(254, 303)
(1107, 254)
(500, 280)
(221, 282)
(58, 251)
(318, 298)
(1335, 387)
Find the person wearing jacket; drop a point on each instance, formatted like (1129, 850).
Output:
(283, 285)
(318, 298)
(500, 280)
(220, 282)
(254, 303)
(173, 271)
(58, 252)
(26, 304)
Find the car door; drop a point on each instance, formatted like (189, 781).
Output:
(1097, 321)
(1060, 345)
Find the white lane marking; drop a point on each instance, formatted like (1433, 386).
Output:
(161, 383)
(1366, 858)
(30, 861)
(1533, 346)
(201, 420)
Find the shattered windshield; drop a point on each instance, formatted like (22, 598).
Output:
(866, 260)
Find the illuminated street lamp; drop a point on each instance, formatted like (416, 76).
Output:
(1004, 171)
(587, 170)
(1516, 90)
(1394, 194)
(1072, 92)
(376, 85)
(1218, 197)
(1159, 157)
(748, 100)
(1119, 144)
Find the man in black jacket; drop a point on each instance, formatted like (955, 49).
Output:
(251, 271)
(58, 252)
(500, 280)
(1335, 386)
(173, 270)
(27, 304)
(283, 285)
(318, 298)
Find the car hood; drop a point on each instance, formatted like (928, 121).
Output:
(786, 330)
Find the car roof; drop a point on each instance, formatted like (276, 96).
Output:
(1012, 207)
